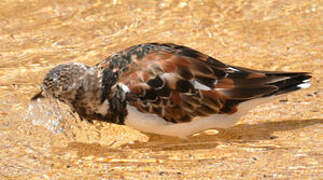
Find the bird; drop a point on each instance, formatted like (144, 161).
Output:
(165, 89)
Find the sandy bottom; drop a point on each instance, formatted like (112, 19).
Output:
(279, 140)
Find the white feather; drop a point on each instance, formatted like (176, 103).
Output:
(168, 75)
(304, 85)
(124, 87)
(200, 86)
(233, 69)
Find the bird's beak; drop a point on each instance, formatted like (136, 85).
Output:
(37, 96)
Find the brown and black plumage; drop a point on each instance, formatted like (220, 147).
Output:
(165, 89)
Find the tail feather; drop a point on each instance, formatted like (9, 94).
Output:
(245, 84)
(295, 82)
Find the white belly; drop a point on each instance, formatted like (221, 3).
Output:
(152, 123)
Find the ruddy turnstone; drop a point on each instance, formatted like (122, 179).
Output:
(165, 89)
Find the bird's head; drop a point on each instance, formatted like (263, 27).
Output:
(65, 81)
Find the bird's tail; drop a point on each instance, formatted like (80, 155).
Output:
(246, 84)
(292, 82)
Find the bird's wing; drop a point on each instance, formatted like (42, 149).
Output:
(178, 83)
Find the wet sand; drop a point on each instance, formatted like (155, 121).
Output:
(279, 140)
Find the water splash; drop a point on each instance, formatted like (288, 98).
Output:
(47, 113)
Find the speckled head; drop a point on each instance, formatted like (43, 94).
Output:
(63, 81)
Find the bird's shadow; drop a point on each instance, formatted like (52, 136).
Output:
(242, 133)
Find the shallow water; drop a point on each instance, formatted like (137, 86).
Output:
(282, 139)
